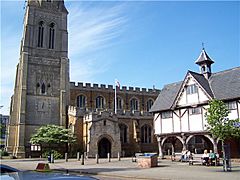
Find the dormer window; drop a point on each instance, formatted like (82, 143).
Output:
(192, 89)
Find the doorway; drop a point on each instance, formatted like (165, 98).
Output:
(104, 147)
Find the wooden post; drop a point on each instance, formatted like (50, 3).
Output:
(108, 155)
(97, 160)
(66, 157)
(52, 158)
(82, 159)
(119, 157)
(169, 152)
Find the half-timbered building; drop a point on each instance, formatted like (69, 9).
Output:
(179, 111)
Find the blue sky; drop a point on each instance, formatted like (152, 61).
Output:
(141, 43)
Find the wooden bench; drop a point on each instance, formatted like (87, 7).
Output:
(176, 157)
(195, 159)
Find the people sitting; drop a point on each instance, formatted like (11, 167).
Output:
(212, 157)
(186, 155)
(183, 156)
(205, 158)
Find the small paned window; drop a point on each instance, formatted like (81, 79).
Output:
(51, 36)
(232, 105)
(81, 101)
(192, 89)
(149, 104)
(134, 104)
(100, 102)
(146, 134)
(123, 133)
(167, 114)
(40, 34)
(196, 110)
(35, 147)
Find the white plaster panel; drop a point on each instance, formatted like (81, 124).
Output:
(204, 119)
(182, 98)
(157, 123)
(184, 121)
(195, 122)
(233, 114)
(192, 98)
(167, 125)
(176, 122)
(202, 96)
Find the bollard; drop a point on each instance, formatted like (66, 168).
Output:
(168, 152)
(52, 158)
(97, 161)
(78, 156)
(108, 156)
(119, 157)
(82, 159)
(66, 157)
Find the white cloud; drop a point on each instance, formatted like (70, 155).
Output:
(93, 29)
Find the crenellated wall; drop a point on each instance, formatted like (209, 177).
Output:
(92, 91)
(104, 87)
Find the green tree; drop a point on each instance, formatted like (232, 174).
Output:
(219, 125)
(52, 135)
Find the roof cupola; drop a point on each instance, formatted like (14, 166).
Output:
(204, 61)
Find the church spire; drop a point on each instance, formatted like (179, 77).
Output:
(204, 61)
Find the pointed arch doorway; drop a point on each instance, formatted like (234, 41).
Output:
(104, 147)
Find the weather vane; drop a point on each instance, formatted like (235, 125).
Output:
(203, 45)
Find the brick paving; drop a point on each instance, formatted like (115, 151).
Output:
(126, 169)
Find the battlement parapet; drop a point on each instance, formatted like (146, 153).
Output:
(76, 111)
(104, 87)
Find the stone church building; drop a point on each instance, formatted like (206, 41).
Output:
(44, 95)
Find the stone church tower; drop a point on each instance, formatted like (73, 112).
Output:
(41, 92)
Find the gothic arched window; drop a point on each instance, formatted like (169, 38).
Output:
(146, 134)
(119, 103)
(123, 133)
(43, 88)
(51, 36)
(149, 104)
(40, 33)
(134, 104)
(100, 102)
(81, 101)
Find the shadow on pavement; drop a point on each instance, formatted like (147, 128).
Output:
(94, 171)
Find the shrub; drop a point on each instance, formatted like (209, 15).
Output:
(56, 154)
(4, 153)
